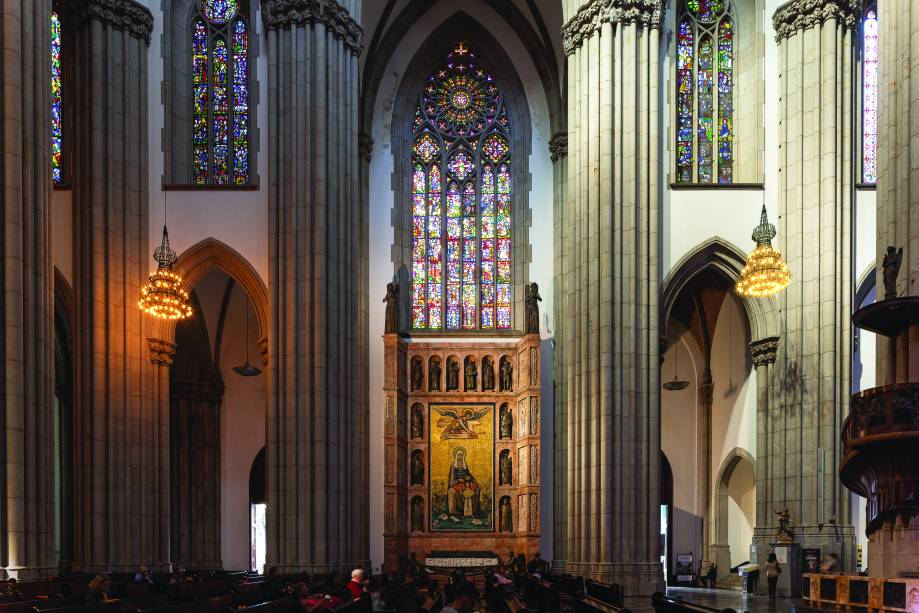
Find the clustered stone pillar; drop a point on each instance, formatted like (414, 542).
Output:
(811, 381)
(608, 328)
(27, 311)
(768, 421)
(317, 411)
(121, 415)
(713, 550)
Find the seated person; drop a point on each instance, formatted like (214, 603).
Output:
(143, 575)
(357, 586)
(500, 577)
(464, 600)
(99, 589)
(537, 566)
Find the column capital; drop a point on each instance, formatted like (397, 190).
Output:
(161, 351)
(594, 13)
(280, 14)
(127, 15)
(706, 389)
(558, 146)
(763, 352)
(804, 14)
(263, 349)
(365, 146)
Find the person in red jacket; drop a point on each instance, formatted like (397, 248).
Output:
(356, 585)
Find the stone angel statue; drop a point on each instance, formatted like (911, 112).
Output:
(890, 270)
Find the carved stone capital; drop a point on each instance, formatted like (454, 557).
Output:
(594, 13)
(365, 146)
(127, 15)
(280, 14)
(161, 351)
(763, 351)
(706, 389)
(263, 349)
(558, 146)
(805, 14)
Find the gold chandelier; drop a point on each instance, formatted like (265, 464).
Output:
(765, 273)
(163, 297)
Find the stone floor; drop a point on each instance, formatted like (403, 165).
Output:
(720, 599)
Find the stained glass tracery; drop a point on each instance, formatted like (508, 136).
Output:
(56, 124)
(461, 200)
(220, 94)
(704, 98)
(870, 97)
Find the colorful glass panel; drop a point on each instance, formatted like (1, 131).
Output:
(870, 97)
(219, 11)
(726, 101)
(684, 101)
(705, 10)
(240, 103)
(57, 133)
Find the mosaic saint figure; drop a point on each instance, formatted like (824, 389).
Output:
(463, 491)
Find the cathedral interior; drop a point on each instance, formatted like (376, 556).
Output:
(589, 305)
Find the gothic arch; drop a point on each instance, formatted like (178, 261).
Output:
(866, 282)
(728, 260)
(210, 254)
(432, 52)
(735, 457)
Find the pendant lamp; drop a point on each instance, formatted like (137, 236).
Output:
(163, 296)
(765, 273)
(247, 369)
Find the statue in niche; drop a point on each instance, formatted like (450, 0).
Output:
(417, 514)
(507, 375)
(470, 375)
(505, 423)
(391, 325)
(505, 469)
(434, 375)
(534, 417)
(488, 374)
(417, 421)
(417, 468)
(417, 375)
(505, 520)
(532, 308)
(891, 269)
(452, 375)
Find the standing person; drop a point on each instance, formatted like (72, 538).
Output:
(357, 585)
(773, 570)
(711, 575)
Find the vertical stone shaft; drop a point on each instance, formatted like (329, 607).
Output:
(27, 311)
(704, 466)
(812, 371)
(317, 416)
(898, 176)
(121, 433)
(608, 329)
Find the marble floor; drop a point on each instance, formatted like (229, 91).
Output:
(720, 599)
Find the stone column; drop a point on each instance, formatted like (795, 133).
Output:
(763, 353)
(712, 549)
(317, 487)
(27, 311)
(608, 328)
(121, 426)
(812, 371)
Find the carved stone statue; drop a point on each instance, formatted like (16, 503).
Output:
(488, 374)
(504, 468)
(392, 308)
(452, 375)
(891, 269)
(434, 376)
(417, 421)
(470, 376)
(532, 311)
(505, 522)
(785, 534)
(417, 375)
(505, 423)
(417, 514)
(507, 375)
(417, 468)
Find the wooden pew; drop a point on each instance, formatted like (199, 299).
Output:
(119, 606)
(612, 594)
(665, 604)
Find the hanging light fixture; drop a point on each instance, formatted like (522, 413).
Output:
(677, 384)
(765, 273)
(163, 296)
(247, 369)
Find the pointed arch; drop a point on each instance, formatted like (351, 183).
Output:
(210, 254)
(735, 457)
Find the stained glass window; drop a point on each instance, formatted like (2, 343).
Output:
(870, 96)
(220, 93)
(461, 200)
(57, 170)
(705, 92)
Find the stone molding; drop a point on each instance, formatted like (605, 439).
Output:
(763, 352)
(805, 14)
(280, 14)
(558, 146)
(594, 13)
(162, 351)
(365, 146)
(126, 15)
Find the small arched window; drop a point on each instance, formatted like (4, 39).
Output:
(870, 95)
(705, 92)
(461, 200)
(220, 92)
(57, 133)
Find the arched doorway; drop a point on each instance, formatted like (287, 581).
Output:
(666, 545)
(735, 510)
(258, 539)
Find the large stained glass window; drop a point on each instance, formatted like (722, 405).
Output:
(220, 93)
(57, 171)
(870, 96)
(461, 200)
(705, 92)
